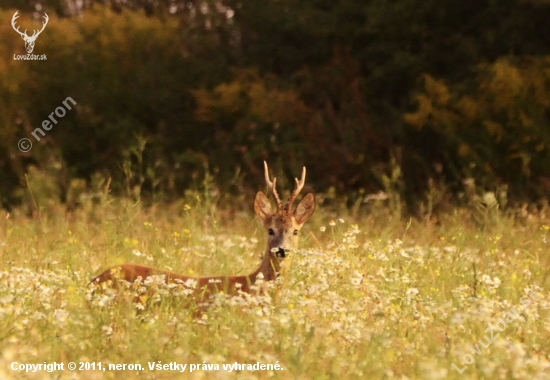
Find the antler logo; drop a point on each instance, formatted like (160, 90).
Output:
(29, 40)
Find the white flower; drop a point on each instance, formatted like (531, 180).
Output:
(189, 283)
(61, 317)
(357, 278)
(108, 330)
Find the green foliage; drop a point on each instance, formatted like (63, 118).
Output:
(254, 118)
(130, 76)
(497, 131)
(447, 92)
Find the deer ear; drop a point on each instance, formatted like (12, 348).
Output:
(262, 207)
(305, 209)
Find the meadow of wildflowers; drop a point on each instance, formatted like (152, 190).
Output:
(366, 297)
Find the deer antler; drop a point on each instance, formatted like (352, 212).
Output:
(272, 186)
(299, 186)
(15, 17)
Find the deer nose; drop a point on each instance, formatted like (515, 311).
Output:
(281, 253)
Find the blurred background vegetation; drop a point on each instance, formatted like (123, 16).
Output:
(415, 102)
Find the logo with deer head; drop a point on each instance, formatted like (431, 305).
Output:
(29, 40)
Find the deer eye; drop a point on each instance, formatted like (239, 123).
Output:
(295, 232)
(271, 232)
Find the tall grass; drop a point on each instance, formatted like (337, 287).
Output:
(368, 296)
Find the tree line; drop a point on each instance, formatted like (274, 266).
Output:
(357, 90)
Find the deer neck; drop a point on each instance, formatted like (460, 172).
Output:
(269, 267)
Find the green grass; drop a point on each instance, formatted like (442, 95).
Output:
(367, 297)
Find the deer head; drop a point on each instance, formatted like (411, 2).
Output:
(29, 40)
(285, 223)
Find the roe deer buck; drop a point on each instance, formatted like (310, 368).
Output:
(282, 229)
